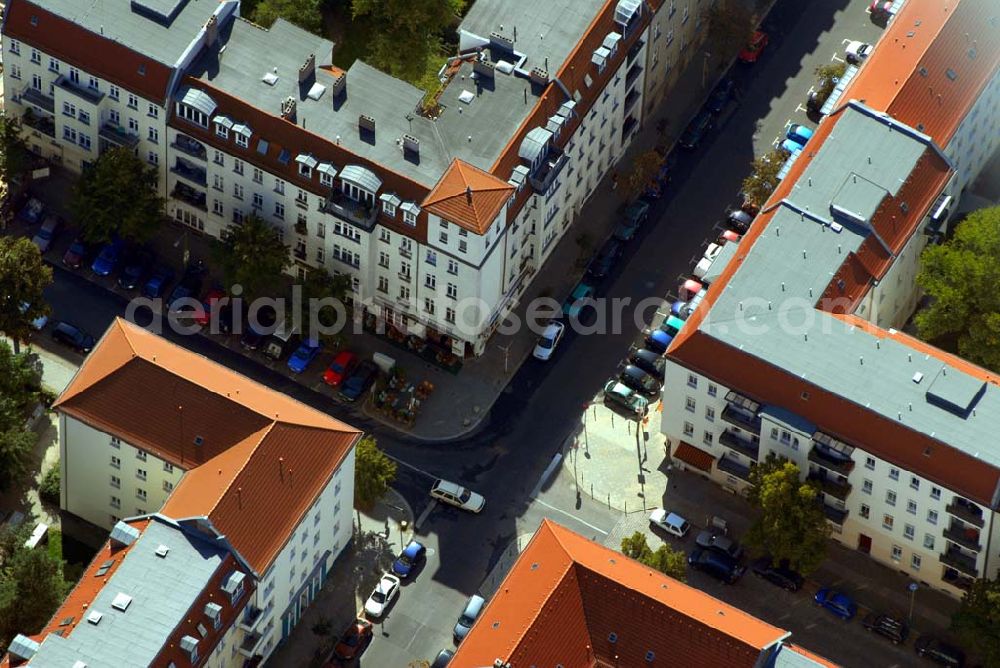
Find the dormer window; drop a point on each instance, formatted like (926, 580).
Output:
(410, 213)
(535, 147)
(306, 164)
(389, 204)
(196, 106)
(190, 646)
(242, 135)
(360, 183)
(222, 126)
(233, 585)
(326, 173)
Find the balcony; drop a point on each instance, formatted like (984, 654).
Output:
(733, 467)
(630, 125)
(44, 124)
(189, 195)
(299, 253)
(830, 460)
(955, 579)
(634, 51)
(741, 419)
(360, 213)
(960, 561)
(632, 74)
(964, 535)
(965, 511)
(190, 146)
(251, 642)
(744, 446)
(90, 95)
(248, 620)
(39, 100)
(830, 485)
(630, 99)
(187, 171)
(835, 515)
(117, 135)
(543, 177)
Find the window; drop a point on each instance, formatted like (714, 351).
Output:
(893, 474)
(688, 429)
(897, 553)
(890, 497)
(168, 486)
(692, 381)
(690, 405)
(116, 443)
(404, 270)
(168, 467)
(116, 482)
(116, 502)
(462, 246)
(84, 117)
(238, 166)
(36, 82)
(219, 158)
(325, 179)
(140, 474)
(258, 201)
(242, 140)
(887, 522)
(388, 208)
(452, 291)
(320, 256)
(707, 438)
(909, 531)
(114, 92)
(258, 175)
(443, 237)
(453, 267)
(866, 486)
(154, 135)
(870, 463)
(36, 57)
(140, 494)
(15, 47)
(709, 413)
(140, 455)
(911, 506)
(153, 158)
(385, 236)
(116, 462)
(133, 102)
(935, 493)
(133, 125)
(217, 208)
(320, 229)
(914, 482)
(865, 511)
(237, 188)
(713, 390)
(15, 72)
(932, 516)
(449, 315)
(463, 233)
(915, 562)
(153, 111)
(305, 170)
(383, 259)
(53, 65)
(69, 109)
(404, 292)
(383, 284)
(430, 280)
(432, 258)
(302, 197)
(929, 541)
(279, 210)
(429, 305)
(279, 186)
(410, 218)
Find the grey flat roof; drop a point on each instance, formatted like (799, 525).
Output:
(163, 589)
(727, 253)
(125, 23)
(766, 309)
(788, 419)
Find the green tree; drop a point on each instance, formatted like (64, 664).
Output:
(644, 170)
(763, 178)
(321, 286)
(730, 25)
(49, 488)
(14, 155)
(664, 559)
(16, 447)
(791, 524)
(20, 386)
(409, 32)
(303, 13)
(253, 256)
(636, 547)
(961, 278)
(373, 473)
(117, 196)
(827, 77)
(31, 586)
(977, 621)
(23, 279)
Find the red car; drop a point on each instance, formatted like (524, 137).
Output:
(204, 314)
(341, 367)
(355, 640)
(751, 52)
(880, 8)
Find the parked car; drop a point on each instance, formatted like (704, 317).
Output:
(777, 574)
(672, 523)
(359, 381)
(656, 340)
(76, 254)
(605, 260)
(696, 130)
(74, 337)
(304, 355)
(157, 283)
(640, 381)
(442, 659)
(721, 96)
(939, 651)
(470, 613)
(885, 625)
(880, 9)
(799, 133)
(856, 51)
(107, 259)
(32, 211)
(650, 362)
(46, 234)
(340, 368)
(456, 495)
(705, 263)
(582, 295)
(208, 306)
(751, 52)
(382, 596)
(814, 103)
(738, 220)
(547, 342)
(38, 324)
(354, 640)
(672, 325)
(729, 236)
(634, 216)
(282, 341)
(716, 564)
(254, 333)
(714, 540)
(836, 602)
(188, 287)
(408, 560)
(620, 395)
(135, 266)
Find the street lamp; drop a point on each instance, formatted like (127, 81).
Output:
(403, 526)
(913, 591)
(704, 68)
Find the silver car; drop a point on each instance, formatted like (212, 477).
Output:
(46, 234)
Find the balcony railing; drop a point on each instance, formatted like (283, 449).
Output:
(547, 172)
(190, 146)
(190, 172)
(118, 135)
(248, 620)
(733, 467)
(630, 99)
(965, 512)
(960, 562)
(744, 446)
(740, 419)
(820, 456)
(38, 100)
(44, 124)
(956, 579)
(339, 204)
(835, 515)
(964, 535)
(632, 74)
(251, 641)
(189, 195)
(91, 95)
(830, 485)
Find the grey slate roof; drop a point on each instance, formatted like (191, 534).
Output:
(163, 589)
(766, 309)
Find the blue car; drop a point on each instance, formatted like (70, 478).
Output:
(837, 603)
(107, 260)
(582, 295)
(657, 341)
(303, 355)
(156, 285)
(408, 559)
(791, 146)
(799, 134)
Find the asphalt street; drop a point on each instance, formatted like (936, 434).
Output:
(506, 458)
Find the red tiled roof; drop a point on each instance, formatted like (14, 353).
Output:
(566, 595)
(468, 197)
(81, 48)
(932, 63)
(696, 457)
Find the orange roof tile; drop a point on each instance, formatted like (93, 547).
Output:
(696, 457)
(566, 594)
(468, 197)
(262, 458)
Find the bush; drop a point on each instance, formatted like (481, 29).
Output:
(48, 490)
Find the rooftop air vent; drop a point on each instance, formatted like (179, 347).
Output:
(162, 551)
(121, 602)
(270, 78)
(316, 91)
(917, 377)
(198, 440)
(95, 617)
(466, 96)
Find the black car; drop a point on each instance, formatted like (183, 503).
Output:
(716, 564)
(779, 575)
(738, 220)
(713, 540)
(72, 336)
(890, 627)
(605, 260)
(443, 658)
(650, 362)
(721, 96)
(640, 381)
(696, 130)
(359, 381)
(135, 269)
(254, 333)
(939, 652)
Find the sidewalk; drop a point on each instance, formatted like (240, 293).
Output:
(352, 578)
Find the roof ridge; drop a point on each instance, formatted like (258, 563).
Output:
(236, 473)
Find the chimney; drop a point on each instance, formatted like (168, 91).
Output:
(483, 67)
(468, 195)
(539, 76)
(366, 122)
(281, 467)
(211, 30)
(411, 144)
(308, 69)
(498, 39)
(288, 109)
(339, 82)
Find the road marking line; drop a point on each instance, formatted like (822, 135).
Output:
(571, 515)
(423, 516)
(556, 460)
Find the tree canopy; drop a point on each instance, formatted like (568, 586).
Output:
(322, 286)
(961, 277)
(20, 391)
(31, 585)
(763, 177)
(14, 156)
(730, 25)
(977, 621)
(253, 256)
(644, 170)
(23, 279)
(374, 472)
(791, 524)
(827, 77)
(117, 196)
(303, 13)
(664, 558)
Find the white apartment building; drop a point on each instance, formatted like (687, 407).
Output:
(219, 457)
(676, 36)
